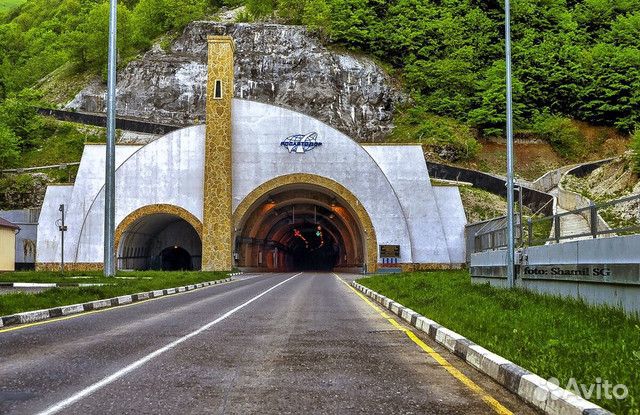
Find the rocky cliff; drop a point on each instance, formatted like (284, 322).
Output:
(275, 64)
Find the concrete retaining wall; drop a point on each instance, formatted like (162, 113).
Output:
(598, 271)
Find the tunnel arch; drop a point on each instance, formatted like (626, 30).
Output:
(266, 219)
(162, 237)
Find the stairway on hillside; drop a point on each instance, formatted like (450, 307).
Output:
(570, 225)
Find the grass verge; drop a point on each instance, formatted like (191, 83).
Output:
(549, 336)
(135, 282)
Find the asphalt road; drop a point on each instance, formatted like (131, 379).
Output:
(271, 343)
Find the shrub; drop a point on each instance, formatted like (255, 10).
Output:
(9, 148)
(635, 147)
(450, 139)
(561, 133)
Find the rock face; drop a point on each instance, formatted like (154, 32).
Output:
(274, 64)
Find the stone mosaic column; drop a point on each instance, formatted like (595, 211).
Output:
(217, 235)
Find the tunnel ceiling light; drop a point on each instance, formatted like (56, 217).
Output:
(270, 200)
(333, 202)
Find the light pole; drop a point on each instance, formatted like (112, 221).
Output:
(510, 178)
(110, 173)
(62, 228)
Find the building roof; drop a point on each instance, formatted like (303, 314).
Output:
(6, 224)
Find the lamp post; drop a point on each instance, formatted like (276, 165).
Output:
(62, 228)
(510, 178)
(110, 174)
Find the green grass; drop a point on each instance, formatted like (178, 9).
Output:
(6, 5)
(549, 336)
(142, 281)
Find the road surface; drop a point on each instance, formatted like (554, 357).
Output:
(268, 343)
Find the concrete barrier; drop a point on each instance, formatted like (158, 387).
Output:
(599, 271)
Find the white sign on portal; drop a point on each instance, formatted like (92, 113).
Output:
(301, 143)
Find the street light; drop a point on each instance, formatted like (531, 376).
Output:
(510, 178)
(62, 228)
(110, 172)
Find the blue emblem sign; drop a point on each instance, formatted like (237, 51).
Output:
(301, 143)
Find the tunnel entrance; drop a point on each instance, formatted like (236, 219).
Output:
(160, 241)
(299, 228)
(176, 259)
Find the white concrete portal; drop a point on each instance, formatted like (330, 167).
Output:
(391, 182)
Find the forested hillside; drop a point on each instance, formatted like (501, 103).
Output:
(573, 59)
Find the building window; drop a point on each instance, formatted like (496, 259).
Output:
(218, 90)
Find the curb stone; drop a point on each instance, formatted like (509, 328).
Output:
(533, 389)
(61, 311)
(50, 284)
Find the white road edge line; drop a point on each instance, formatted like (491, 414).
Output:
(109, 379)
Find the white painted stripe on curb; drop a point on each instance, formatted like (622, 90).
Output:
(31, 316)
(125, 299)
(101, 303)
(109, 379)
(71, 309)
(534, 390)
(34, 285)
(475, 354)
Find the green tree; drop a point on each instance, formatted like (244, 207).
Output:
(561, 133)
(18, 113)
(152, 18)
(490, 104)
(317, 16)
(261, 8)
(88, 44)
(9, 148)
(611, 92)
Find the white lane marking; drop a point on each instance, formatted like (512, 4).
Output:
(109, 379)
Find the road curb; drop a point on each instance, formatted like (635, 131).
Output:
(49, 284)
(530, 387)
(67, 310)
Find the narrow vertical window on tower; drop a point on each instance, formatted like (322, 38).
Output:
(218, 90)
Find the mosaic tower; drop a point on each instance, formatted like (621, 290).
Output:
(217, 232)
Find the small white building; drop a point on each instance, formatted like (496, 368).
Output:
(258, 187)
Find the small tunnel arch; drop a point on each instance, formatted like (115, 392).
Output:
(157, 238)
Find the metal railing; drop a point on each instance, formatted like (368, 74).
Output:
(549, 229)
(20, 170)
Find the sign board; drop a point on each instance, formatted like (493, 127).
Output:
(595, 273)
(389, 251)
(301, 143)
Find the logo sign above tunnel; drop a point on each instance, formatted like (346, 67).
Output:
(301, 143)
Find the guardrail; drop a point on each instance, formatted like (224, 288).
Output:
(533, 199)
(20, 170)
(100, 120)
(548, 229)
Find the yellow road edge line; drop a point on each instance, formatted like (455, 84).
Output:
(110, 308)
(485, 396)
